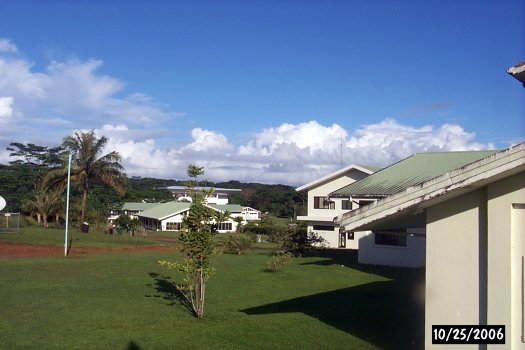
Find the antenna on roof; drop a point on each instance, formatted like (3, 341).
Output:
(341, 149)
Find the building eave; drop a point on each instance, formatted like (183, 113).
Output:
(333, 175)
(518, 72)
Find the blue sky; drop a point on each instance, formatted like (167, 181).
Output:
(262, 91)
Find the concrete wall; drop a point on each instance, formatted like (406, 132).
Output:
(506, 205)
(473, 261)
(412, 255)
(452, 260)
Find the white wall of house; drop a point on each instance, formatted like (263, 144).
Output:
(250, 214)
(324, 217)
(475, 244)
(332, 237)
(411, 255)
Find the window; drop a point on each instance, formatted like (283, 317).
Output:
(323, 228)
(346, 204)
(173, 226)
(350, 235)
(224, 226)
(390, 239)
(323, 203)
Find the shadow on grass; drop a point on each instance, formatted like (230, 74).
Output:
(132, 346)
(167, 290)
(388, 314)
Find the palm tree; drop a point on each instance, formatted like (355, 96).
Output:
(44, 203)
(87, 166)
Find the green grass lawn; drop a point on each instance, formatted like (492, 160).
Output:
(96, 239)
(127, 301)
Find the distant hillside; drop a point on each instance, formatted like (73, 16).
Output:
(18, 183)
(279, 200)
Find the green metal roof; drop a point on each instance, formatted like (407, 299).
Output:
(161, 211)
(232, 208)
(138, 206)
(409, 172)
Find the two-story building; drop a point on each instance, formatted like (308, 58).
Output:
(322, 209)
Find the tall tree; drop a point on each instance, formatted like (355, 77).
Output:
(88, 165)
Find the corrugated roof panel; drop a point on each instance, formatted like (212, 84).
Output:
(409, 172)
(232, 208)
(163, 210)
(138, 206)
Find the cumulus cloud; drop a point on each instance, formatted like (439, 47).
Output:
(291, 154)
(6, 109)
(207, 141)
(389, 141)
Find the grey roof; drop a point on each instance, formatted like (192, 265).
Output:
(164, 210)
(232, 208)
(138, 206)
(409, 172)
(185, 189)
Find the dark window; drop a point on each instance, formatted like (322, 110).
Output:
(323, 228)
(323, 203)
(350, 235)
(390, 239)
(224, 226)
(173, 226)
(346, 204)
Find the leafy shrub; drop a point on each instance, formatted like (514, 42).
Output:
(239, 243)
(278, 261)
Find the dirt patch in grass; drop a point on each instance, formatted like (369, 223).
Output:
(20, 250)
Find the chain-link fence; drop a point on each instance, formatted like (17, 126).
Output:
(9, 222)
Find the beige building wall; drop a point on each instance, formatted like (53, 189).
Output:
(326, 216)
(452, 260)
(475, 244)
(506, 204)
(326, 188)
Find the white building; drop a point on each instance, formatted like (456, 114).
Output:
(322, 210)
(169, 216)
(219, 196)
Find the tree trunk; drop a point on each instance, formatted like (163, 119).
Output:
(84, 203)
(38, 218)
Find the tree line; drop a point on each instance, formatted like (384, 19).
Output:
(33, 183)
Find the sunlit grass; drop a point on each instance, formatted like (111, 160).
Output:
(127, 301)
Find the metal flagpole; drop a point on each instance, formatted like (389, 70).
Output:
(67, 202)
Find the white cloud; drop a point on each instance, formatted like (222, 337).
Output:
(207, 141)
(7, 46)
(6, 109)
(72, 92)
(290, 153)
(388, 141)
(309, 137)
